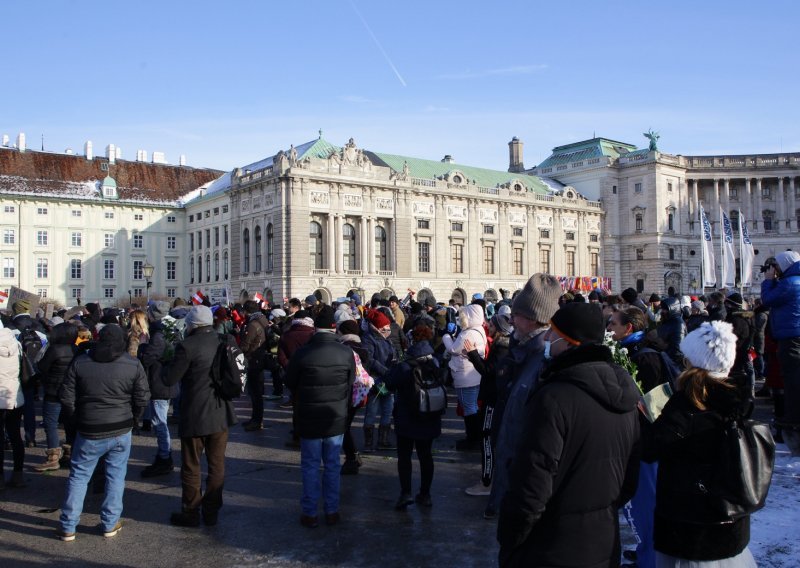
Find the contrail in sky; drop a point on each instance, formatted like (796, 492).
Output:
(380, 47)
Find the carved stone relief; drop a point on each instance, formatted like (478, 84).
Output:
(544, 220)
(569, 222)
(457, 212)
(422, 209)
(319, 199)
(488, 215)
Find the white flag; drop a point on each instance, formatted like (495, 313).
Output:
(709, 278)
(746, 252)
(728, 255)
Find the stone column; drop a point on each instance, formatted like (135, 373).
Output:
(532, 242)
(371, 245)
(759, 216)
(691, 190)
(338, 240)
(364, 264)
(781, 208)
(331, 248)
(748, 201)
(390, 240)
(792, 205)
(726, 194)
(717, 202)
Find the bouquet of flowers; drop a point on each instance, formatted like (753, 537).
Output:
(620, 356)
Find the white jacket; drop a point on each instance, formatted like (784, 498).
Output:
(464, 373)
(10, 390)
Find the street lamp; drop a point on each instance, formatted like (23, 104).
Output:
(130, 299)
(148, 270)
(693, 284)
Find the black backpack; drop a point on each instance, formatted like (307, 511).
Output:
(429, 393)
(228, 370)
(31, 345)
(668, 366)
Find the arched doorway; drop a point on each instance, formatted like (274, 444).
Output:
(673, 279)
(322, 295)
(244, 295)
(459, 296)
(490, 295)
(424, 294)
(268, 295)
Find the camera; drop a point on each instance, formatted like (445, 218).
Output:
(764, 268)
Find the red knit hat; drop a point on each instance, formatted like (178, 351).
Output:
(378, 319)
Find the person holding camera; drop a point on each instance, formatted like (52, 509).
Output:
(780, 291)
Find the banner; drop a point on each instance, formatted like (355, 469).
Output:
(728, 254)
(747, 255)
(709, 278)
(218, 296)
(15, 294)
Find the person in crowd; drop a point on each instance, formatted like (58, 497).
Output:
(253, 346)
(60, 352)
(672, 329)
(397, 311)
(655, 309)
(222, 321)
(413, 429)
(274, 331)
(138, 333)
(321, 376)
(743, 322)
(577, 460)
(204, 420)
(22, 321)
(11, 402)
(780, 292)
(716, 307)
(697, 315)
(760, 319)
(685, 439)
(349, 334)
(106, 390)
(396, 336)
(632, 298)
(381, 358)
(466, 377)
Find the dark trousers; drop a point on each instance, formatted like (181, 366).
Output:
(404, 448)
(349, 444)
(29, 412)
(10, 421)
(191, 449)
(255, 385)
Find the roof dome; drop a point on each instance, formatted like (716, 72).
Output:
(108, 181)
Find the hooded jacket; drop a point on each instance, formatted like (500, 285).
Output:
(151, 355)
(576, 464)
(407, 422)
(782, 296)
(105, 389)
(58, 355)
(11, 396)
(298, 334)
(463, 371)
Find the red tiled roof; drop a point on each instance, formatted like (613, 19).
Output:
(72, 176)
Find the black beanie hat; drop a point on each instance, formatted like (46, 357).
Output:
(629, 295)
(579, 323)
(325, 319)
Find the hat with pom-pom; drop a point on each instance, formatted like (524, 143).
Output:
(712, 347)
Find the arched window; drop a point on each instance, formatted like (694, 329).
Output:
(225, 265)
(670, 221)
(246, 251)
(191, 271)
(769, 221)
(199, 269)
(257, 238)
(380, 248)
(270, 247)
(315, 245)
(208, 268)
(216, 267)
(734, 221)
(639, 222)
(349, 246)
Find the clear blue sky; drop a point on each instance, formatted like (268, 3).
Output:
(230, 82)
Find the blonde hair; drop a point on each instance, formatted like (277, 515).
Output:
(695, 382)
(139, 327)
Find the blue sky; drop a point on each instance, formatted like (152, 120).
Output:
(228, 83)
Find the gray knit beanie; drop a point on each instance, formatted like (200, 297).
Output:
(538, 300)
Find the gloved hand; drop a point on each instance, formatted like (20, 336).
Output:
(451, 328)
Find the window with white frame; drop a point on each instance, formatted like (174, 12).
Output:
(9, 209)
(171, 269)
(108, 240)
(41, 238)
(138, 272)
(75, 268)
(9, 236)
(488, 229)
(76, 239)
(76, 293)
(171, 293)
(108, 292)
(171, 243)
(138, 292)
(138, 241)
(593, 238)
(41, 210)
(77, 213)
(170, 218)
(424, 257)
(517, 231)
(41, 267)
(224, 208)
(41, 292)
(138, 217)
(108, 214)
(9, 268)
(108, 269)
(637, 188)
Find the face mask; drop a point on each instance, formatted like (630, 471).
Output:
(547, 345)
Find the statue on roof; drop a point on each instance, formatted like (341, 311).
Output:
(292, 154)
(349, 153)
(653, 136)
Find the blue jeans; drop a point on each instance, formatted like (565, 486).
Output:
(158, 418)
(312, 452)
(468, 398)
(50, 413)
(85, 455)
(375, 402)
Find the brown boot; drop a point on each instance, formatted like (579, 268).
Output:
(66, 456)
(51, 463)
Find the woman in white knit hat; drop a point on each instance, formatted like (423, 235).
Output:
(686, 440)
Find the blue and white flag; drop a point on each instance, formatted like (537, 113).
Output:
(747, 254)
(728, 254)
(709, 277)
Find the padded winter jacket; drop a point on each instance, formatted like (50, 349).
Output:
(59, 353)
(409, 423)
(782, 296)
(11, 396)
(151, 355)
(463, 371)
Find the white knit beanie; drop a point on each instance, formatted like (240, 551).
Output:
(786, 258)
(712, 347)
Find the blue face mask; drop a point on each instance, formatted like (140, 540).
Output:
(547, 345)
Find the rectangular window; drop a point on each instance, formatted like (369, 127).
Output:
(637, 188)
(225, 234)
(108, 292)
(76, 213)
(41, 238)
(138, 273)
(224, 208)
(639, 254)
(172, 243)
(592, 238)
(108, 215)
(457, 227)
(108, 269)
(41, 292)
(734, 193)
(171, 269)
(544, 261)
(424, 257)
(9, 268)
(207, 213)
(171, 293)
(138, 292)
(208, 238)
(765, 192)
(76, 239)
(614, 189)
(9, 209)
(199, 240)
(544, 233)
(216, 211)
(76, 293)
(75, 269)
(488, 260)
(570, 236)
(423, 224)
(595, 264)
(41, 268)
(517, 231)
(216, 236)
(191, 218)
(138, 241)
(488, 229)
(108, 240)
(170, 218)
(570, 262)
(191, 242)
(518, 267)
(9, 237)
(41, 210)
(138, 217)
(669, 186)
(457, 252)
(672, 254)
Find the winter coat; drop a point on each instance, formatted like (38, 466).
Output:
(381, 353)
(398, 340)
(686, 441)
(407, 422)
(321, 376)
(576, 464)
(151, 355)
(672, 330)
(60, 352)
(694, 321)
(354, 343)
(647, 357)
(760, 322)
(202, 412)
(743, 328)
(488, 367)
(24, 321)
(11, 396)
(782, 296)
(105, 390)
(463, 371)
(399, 316)
(253, 343)
(717, 313)
(293, 339)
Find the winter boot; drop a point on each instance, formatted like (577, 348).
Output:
(66, 456)
(350, 467)
(161, 466)
(369, 432)
(51, 463)
(384, 440)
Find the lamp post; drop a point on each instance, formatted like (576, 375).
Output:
(130, 299)
(693, 284)
(148, 270)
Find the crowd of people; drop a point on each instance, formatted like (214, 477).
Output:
(553, 411)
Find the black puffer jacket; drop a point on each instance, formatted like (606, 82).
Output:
(151, 355)
(105, 389)
(685, 441)
(56, 359)
(321, 375)
(671, 331)
(576, 464)
(409, 423)
(202, 412)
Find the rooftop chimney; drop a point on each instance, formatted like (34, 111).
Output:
(182, 160)
(21, 141)
(111, 153)
(141, 155)
(515, 156)
(69, 152)
(118, 154)
(87, 150)
(448, 159)
(5, 140)
(159, 158)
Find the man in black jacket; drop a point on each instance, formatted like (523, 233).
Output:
(321, 375)
(204, 420)
(106, 390)
(576, 462)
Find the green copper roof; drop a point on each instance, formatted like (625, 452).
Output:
(586, 150)
(319, 148)
(108, 181)
(432, 169)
